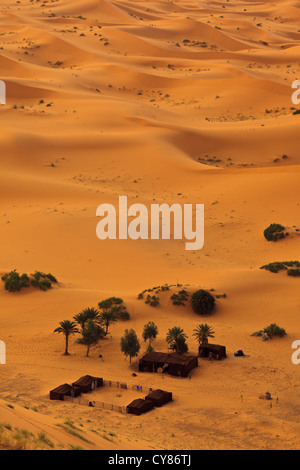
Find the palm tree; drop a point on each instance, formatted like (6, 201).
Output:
(67, 328)
(91, 334)
(106, 318)
(85, 315)
(203, 332)
(81, 319)
(176, 338)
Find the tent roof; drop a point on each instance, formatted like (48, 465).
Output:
(64, 388)
(158, 393)
(138, 403)
(170, 358)
(86, 380)
(215, 347)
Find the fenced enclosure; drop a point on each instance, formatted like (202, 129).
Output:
(89, 399)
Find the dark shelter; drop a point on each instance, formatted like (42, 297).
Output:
(87, 383)
(215, 351)
(179, 365)
(139, 406)
(60, 392)
(159, 397)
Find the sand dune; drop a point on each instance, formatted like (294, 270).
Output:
(163, 102)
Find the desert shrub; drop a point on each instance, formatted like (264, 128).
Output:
(277, 266)
(274, 232)
(274, 330)
(14, 282)
(202, 302)
(123, 315)
(51, 277)
(35, 283)
(258, 333)
(158, 289)
(293, 272)
(178, 299)
(116, 306)
(152, 300)
(165, 287)
(38, 275)
(45, 284)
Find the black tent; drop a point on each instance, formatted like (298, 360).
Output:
(139, 406)
(60, 392)
(87, 383)
(179, 365)
(159, 397)
(214, 350)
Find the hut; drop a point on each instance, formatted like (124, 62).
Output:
(179, 365)
(60, 392)
(215, 351)
(139, 406)
(87, 383)
(159, 397)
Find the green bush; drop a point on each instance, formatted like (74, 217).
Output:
(152, 300)
(45, 284)
(277, 266)
(274, 330)
(116, 306)
(294, 272)
(38, 275)
(14, 282)
(51, 277)
(123, 315)
(274, 232)
(202, 302)
(178, 299)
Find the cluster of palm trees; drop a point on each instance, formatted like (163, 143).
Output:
(91, 323)
(176, 337)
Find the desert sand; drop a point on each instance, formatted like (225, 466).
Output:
(166, 101)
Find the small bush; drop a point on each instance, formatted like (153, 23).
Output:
(274, 330)
(274, 232)
(14, 282)
(123, 315)
(178, 299)
(202, 302)
(152, 300)
(293, 272)
(51, 277)
(116, 306)
(45, 284)
(292, 267)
